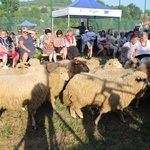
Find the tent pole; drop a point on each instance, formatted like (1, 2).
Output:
(68, 21)
(87, 22)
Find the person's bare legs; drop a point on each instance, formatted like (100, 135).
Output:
(64, 53)
(54, 57)
(25, 57)
(5, 59)
(50, 57)
(15, 60)
(90, 51)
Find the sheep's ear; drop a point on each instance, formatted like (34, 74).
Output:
(76, 61)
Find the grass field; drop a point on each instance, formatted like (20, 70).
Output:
(59, 131)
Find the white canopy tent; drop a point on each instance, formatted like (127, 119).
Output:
(86, 9)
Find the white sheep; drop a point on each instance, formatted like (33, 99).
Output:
(108, 93)
(57, 80)
(29, 88)
(132, 63)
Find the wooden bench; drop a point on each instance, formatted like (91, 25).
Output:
(45, 56)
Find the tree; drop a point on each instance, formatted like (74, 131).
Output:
(44, 10)
(12, 5)
(135, 11)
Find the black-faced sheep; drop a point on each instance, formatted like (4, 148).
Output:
(109, 93)
(29, 88)
(57, 80)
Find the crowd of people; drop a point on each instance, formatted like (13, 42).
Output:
(123, 45)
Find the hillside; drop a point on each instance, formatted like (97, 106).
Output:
(57, 4)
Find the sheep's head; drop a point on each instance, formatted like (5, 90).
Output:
(133, 63)
(23, 65)
(62, 72)
(113, 64)
(79, 66)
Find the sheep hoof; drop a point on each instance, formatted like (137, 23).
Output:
(23, 109)
(96, 123)
(34, 127)
(81, 116)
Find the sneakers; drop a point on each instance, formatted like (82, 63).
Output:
(5, 67)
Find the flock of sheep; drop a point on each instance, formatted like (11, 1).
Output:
(82, 82)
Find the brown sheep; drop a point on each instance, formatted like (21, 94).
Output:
(74, 66)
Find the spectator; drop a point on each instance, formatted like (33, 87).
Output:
(102, 43)
(84, 41)
(114, 43)
(82, 28)
(27, 48)
(59, 44)
(143, 47)
(41, 39)
(49, 46)
(128, 49)
(90, 41)
(7, 48)
(70, 43)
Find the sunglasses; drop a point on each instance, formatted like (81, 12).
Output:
(25, 32)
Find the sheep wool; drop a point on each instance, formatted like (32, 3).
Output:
(29, 88)
(57, 81)
(109, 93)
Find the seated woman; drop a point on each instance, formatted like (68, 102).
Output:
(48, 45)
(59, 44)
(70, 43)
(7, 48)
(143, 48)
(27, 48)
(101, 42)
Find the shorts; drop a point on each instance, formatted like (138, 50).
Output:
(2, 53)
(91, 42)
(58, 49)
(13, 54)
(48, 52)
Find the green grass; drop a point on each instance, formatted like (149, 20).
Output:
(61, 131)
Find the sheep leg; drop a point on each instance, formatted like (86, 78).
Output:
(137, 103)
(53, 103)
(98, 118)
(79, 112)
(33, 121)
(72, 112)
(121, 116)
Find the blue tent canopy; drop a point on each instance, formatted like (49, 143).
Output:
(26, 23)
(88, 4)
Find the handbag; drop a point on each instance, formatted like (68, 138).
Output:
(49, 47)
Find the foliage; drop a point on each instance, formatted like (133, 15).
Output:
(11, 6)
(134, 11)
(44, 10)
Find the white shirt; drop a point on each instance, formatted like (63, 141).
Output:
(130, 48)
(140, 50)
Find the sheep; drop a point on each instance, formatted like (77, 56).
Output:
(112, 64)
(132, 63)
(57, 80)
(93, 64)
(74, 66)
(108, 93)
(21, 68)
(27, 89)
